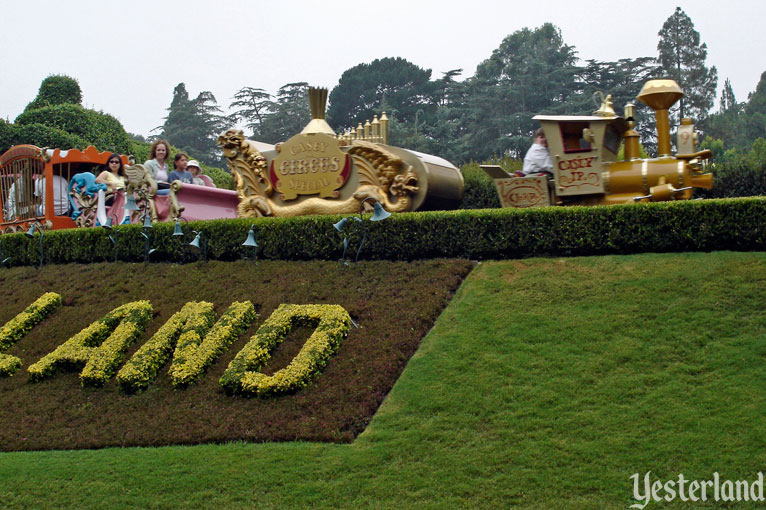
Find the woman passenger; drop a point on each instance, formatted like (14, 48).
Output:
(157, 165)
(113, 176)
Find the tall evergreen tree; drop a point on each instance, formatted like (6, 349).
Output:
(728, 100)
(622, 79)
(531, 72)
(729, 124)
(755, 111)
(193, 125)
(287, 116)
(253, 105)
(682, 58)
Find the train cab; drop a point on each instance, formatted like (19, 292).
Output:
(579, 148)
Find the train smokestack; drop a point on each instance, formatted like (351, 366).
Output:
(660, 95)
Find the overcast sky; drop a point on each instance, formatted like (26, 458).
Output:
(129, 55)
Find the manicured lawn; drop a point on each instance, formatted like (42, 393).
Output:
(545, 384)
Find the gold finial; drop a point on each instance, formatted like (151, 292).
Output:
(360, 132)
(384, 127)
(375, 129)
(367, 128)
(318, 102)
(660, 95)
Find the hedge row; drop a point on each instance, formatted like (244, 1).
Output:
(697, 225)
(99, 129)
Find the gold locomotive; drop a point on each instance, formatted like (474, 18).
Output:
(584, 151)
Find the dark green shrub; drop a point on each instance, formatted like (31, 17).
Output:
(98, 129)
(8, 136)
(46, 136)
(736, 179)
(696, 225)
(139, 150)
(55, 90)
(221, 178)
(478, 189)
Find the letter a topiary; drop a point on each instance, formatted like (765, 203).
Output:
(99, 347)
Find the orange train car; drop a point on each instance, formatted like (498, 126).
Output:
(34, 185)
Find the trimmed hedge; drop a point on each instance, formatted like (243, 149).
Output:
(56, 89)
(99, 129)
(39, 135)
(697, 225)
(479, 191)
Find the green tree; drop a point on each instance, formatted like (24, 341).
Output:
(729, 125)
(193, 125)
(755, 111)
(531, 72)
(400, 85)
(253, 106)
(682, 58)
(287, 116)
(623, 80)
(55, 118)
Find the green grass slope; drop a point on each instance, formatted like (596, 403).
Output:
(545, 384)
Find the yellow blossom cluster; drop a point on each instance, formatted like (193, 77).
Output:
(331, 324)
(16, 328)
(194, 354)
(142, 368)
(99, 347)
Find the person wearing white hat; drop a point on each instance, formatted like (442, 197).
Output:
(198, 178)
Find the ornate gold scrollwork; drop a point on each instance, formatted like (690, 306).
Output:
(382, 176)
(175, 207)
(144, 188)
(87, 206)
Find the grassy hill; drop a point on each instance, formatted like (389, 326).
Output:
(546, 383)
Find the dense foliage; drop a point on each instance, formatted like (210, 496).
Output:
(193, 125)
(56, 118)
(273, 119)
(392, 84)
(697, 225)
(96, 128)
(682, 58)
(56, 90)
